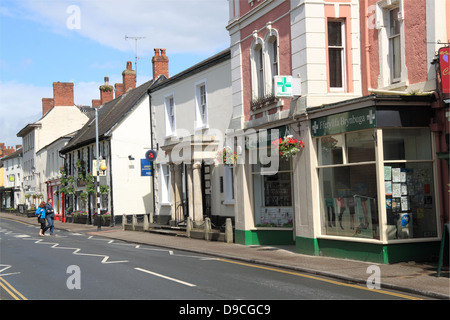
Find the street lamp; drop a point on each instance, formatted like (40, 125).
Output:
(103, 168)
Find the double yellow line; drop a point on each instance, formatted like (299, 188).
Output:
(324, 280)
(11, 290)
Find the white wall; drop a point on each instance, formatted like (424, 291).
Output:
(220, 112)
(132, 193)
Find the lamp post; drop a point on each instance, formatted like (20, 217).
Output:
(99, 222)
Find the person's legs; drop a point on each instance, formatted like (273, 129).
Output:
(50, 224)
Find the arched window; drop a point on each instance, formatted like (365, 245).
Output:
(271, 61)
(257, 68)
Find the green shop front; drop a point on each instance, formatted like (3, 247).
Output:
(264, 197)
(374, 183)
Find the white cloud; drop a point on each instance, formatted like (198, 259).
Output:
(20, 104)
(193, 26)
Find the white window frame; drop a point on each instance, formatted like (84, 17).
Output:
(342, 49)
(395, 58)
(257, 68)
(170, 116)
(385, 79)
(228, 178)
(271, 59)
(165, 184)
(201, 105)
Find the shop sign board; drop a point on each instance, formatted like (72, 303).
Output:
(146, 168)
(343, 122)
(444, 63)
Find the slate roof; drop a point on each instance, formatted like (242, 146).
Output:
(109, 115)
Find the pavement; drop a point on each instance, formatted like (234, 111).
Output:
(408, 277)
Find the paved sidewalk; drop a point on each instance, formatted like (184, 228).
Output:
(413, 278)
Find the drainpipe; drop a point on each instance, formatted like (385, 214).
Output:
(367, 45)
(151, 146)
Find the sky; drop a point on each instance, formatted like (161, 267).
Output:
(83, 41)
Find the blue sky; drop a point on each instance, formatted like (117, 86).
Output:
(82, 41)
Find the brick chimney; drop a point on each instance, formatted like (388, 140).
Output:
(106, 92)
(160, 63)
(47, 104)
(62, 96)
(129, 78)
(63, 93)
(119, 89)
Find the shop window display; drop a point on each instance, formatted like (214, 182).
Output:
(349, 206)
(348, 190)
(349, 184)
(273, 195)
(409, 187)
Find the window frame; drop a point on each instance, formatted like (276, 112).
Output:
(166, 196)
(394, 46)
(201, 105)
(170, 117)
(342, 50)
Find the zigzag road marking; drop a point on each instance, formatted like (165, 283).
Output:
(6, 267)
(170, 252)
(76, 251)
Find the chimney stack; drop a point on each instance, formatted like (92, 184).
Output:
(106, 92)
(63, 93)
(47, 104)
(62, 96)
(160, 63)
(129, 78)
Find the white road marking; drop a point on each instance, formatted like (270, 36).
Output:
(166, 277)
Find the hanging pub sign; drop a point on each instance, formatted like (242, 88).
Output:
(444, 55)
(343, 122)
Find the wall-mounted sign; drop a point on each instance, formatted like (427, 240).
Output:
(102, 173)
(343, 122)
(287, 86)
(146, 168)
(150, 155)
(444, 56)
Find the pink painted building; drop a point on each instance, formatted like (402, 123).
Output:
(359, 83)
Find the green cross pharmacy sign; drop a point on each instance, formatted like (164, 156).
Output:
(287, 86)
(343, 122)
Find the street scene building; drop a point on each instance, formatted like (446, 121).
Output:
(324, 125)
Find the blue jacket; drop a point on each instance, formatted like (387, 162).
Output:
(40, 212)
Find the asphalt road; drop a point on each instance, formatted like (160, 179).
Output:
(78, 266)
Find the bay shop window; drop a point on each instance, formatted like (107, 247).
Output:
(376, 183)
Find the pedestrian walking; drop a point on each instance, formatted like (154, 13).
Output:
(50, 216)
(40, 212)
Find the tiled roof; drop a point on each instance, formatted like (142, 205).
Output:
(109, 115)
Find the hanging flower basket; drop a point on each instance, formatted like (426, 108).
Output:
(226, 156)
(288, 146)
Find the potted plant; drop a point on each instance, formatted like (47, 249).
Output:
(79, 217)
(226, 156)
(288, 146)
(106, 219)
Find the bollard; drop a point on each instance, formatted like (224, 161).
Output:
(207, 229)
(146, 223)
(134, 223)
(188, 227)
(228, 231)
